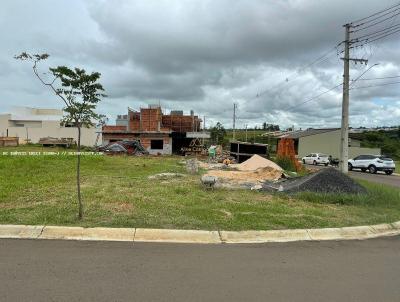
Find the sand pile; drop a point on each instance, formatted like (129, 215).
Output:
(257, 176)
(255, 162)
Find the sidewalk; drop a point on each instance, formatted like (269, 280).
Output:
(196, 236)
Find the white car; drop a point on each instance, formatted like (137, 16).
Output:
(316, 159)
(373, 163)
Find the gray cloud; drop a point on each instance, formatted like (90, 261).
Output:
(203, 55)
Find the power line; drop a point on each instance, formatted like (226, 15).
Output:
(376, 39)
(382, 37)
(320, 59)
(314, 97)
(377, 85)
(379, 36)
(377, 18)
(371, 34)
(376, 23)
(382, 78)
(375, 14)
(360, 76)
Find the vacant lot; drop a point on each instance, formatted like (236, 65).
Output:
(118, 193)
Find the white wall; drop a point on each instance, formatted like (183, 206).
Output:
(356, 151)
(49, 128)
(329, 144)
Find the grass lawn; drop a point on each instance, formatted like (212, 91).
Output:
(117, 193)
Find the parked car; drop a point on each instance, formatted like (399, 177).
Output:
(316, 159)
(373, 163)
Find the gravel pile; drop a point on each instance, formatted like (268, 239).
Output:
(327, 180)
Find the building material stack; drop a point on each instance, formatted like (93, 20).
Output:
(286, 151)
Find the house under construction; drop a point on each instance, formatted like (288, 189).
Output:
(157, 132)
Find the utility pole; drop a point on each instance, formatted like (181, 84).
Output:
(344, 137)
(234, 120)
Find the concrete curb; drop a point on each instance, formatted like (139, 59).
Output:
(196, 236)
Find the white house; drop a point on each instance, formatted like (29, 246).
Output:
(31, 124)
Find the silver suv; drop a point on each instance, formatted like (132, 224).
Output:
(373, 163)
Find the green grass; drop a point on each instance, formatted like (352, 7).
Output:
(117, 193)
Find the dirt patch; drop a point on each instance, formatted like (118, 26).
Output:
(257, 176)
(226, 213)
(120, 207)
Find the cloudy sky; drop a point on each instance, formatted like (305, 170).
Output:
(205, 55)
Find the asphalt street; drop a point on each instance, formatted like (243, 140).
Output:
(392, 180)
(50, 270)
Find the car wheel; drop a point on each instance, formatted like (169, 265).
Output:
(315, 163)
(389, 172)
(363, 169)
(350, 167)
(304, 161)
(372, 169)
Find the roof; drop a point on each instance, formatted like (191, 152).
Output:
(248, 143)
(308, 132)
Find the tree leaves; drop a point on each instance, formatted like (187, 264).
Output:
(79, 90)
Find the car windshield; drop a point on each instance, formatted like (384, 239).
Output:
(385, 158)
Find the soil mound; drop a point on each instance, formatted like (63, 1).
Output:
(255, 162)
(257, 176)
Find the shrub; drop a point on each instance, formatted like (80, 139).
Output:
(286, 163)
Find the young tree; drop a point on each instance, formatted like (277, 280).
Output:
(217, 133)
(80, 92)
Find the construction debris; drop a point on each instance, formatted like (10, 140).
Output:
(249, 174)
(54, 141)
(327, 180)
(131, 147)
(166, 175)
(242, 151)
(7, 141)
(208, 180)
(286, 150)
(192, 166)
(253, 177)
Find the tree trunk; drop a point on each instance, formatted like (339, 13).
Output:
(78, 175)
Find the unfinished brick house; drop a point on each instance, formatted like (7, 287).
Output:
(159, 133)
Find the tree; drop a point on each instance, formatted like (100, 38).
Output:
(264, 126)
(217, 133)
(80, 93)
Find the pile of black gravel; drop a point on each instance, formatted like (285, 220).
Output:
(327, 180)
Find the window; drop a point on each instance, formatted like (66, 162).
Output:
(157, 144)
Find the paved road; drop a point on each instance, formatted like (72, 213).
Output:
(380, 177)
(41, 270)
